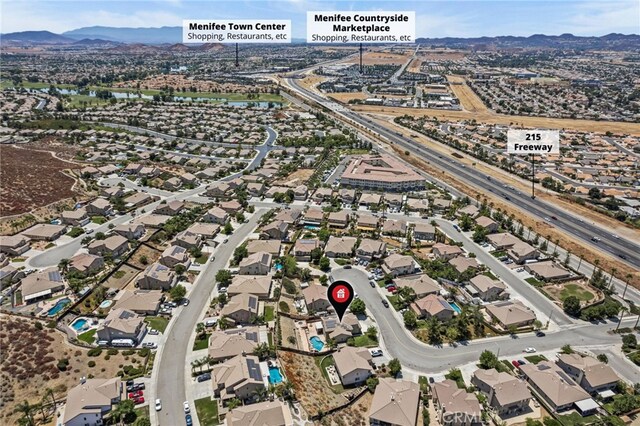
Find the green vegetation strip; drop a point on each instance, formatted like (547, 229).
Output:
(207, 410)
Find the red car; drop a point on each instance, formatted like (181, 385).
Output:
(515, 363)
(391, 289)
(139, 400)
(135, 394)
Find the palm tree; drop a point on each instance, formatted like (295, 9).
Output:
(613, 272)
(622, 311)
(25, 408)
(261, 394)
(262, 351)
(580, 263)
(49, 392)
(223, 323)
(63, 265)
(626, 284)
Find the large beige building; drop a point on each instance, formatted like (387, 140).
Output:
(381, 172)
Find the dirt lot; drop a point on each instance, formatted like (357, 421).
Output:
(121, 277)
(144, 251)
(380, 58)
(346, 97)
(468, 99)
(31, 179)
(309, 385)
(355, 414)
(295, 178)
(29, 359)
(490, 117)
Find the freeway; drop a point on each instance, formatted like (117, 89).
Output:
(168, 375)
(53, 256)
(536, 207)
(429, 359)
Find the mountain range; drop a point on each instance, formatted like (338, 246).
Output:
(112, 36)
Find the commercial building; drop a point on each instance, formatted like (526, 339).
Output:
(381, 172)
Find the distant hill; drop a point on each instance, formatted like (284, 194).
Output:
(36, 37)
(564, 41)
(160, 35)
(95, 42)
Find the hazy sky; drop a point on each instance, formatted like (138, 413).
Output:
(455, 18)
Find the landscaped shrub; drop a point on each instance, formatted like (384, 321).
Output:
(284, 306)
(91, 364)
(94, 352)
(63, 364)
(128, 352)
(112, 351)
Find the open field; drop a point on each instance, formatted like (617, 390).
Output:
(295, 178)
(380, 58)
(31, 179)
(29, 364)
(493, 118)
(468, 99)
(577, 289)
(346, 97)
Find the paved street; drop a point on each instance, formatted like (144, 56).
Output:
(168, 376)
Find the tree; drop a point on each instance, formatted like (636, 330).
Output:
(324, 280)
(240, 253)
(124, 409)
(180, 269)
(595, 194)
(223, 276)
(325, 264)
(603, 358)
(228, 229)
(566, 349)
(452, 334)
(143, 421)
(372, 382)
(26, 409)
(262, 351)
(144, 260)
(488, 360)
(479, 234)
(410, 319)
(177, 292)
(407, 294)
(358, 307)
(63, 265)
(629, 341)
(571, 306)
(305, 274)
(372, 333)
(537, 325)
(222, 299)
(394, 367)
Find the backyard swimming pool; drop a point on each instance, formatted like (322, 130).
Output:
(60, 304)
(275, 376)
(79, 324)
(105, 304)
(455, 307)
(316, 343)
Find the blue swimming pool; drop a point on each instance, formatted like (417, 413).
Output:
(278, 266)
(60, 304)
(79, 324)
(275, 376)
(455, 307)
(316, 343)
(311, 227)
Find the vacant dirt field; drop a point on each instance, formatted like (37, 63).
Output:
(468, 99)
(144, 256)
(121, 277)
(490, 117)
(346, 97)
(356, 414)
(31, 179)
(309, 385)
(29, 365)
(380, 58)
(295, 178)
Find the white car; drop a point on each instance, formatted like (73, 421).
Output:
(375, 352)
(187, 410)
(153, 331)
(530, 350)
(158, 405)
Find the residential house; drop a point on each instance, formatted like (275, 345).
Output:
(462, 264)
(347, 196)
(142, 302)
(256, 264)
(554, 386)
(41, 285)
(339, 219)
(188, 240)
(469, 210)
(302, 248)
(502, 241)
(276, 230)
(44, 232)
(395, 403)
(445, 251)
(433, 305)
(424, 232)
(394, 227)
(370, 249)
(121, 324)
(398, 264)
(315, 296)
(341, 331)
(138, 199)
(417, 205)
(520, 252)
(290, 216)
(242, 308)
(454, 406)
(88, 402)
(394, 201)
(367, 223)
(440, 205)
(486, 288)
(272, 413)
(218, 190)
(171, 208)
(487, 224)
(232, 207)
(99, 207)
(260, 285)
(353, 365)
(592, 375)
(85, 264)
(14, 245)
(239, 377)
(313, 217)
(300, 192)
(423, 285)
(206, 231)
(322, 195)
(547, 271)
(369, 199)
(226, 344)
(114, 246)
(77, 217)
(131, 231)
(340, 247)
(216, 215)
(255, 189)
(173, 256)
(506, 394)
(272, 247)
(156, 277)
(511, 314)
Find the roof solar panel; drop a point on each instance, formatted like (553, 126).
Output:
(254, 370)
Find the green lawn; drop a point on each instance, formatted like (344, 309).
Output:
(268, 313)
(575, 290)
(75, 232)
(508, 365)
(534, 282)
(490, 275)
(534, 359)
(423, 381)
(18, 296)
(98, 219)
(323, 363)
(202, 259)
(18, 259)
(395, 301)
(365, 341)
(159, 323)
(201, 344)
(498, 253)
(576, 419)
(89, 336)
(48, 246)
(207, 410)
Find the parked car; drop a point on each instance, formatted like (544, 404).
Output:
(129, 382)
(540, 333)
(375, 352)
(515, 363)
(139, 386)
(185, 405)
(185, 302)
(188, 419)
(149, 345)
(530, 350)
(372, 284)
(226, 240)
(158, 405)
(391, 288)
(385, 303)
(204, 377)
(139, 400)
(153, 331)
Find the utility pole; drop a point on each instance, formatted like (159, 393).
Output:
(237, 62)
(533, 176)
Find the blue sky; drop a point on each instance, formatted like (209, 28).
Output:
(452, 18)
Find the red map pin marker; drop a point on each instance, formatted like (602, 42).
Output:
(340, 294)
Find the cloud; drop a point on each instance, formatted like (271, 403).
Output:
(599, 18)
